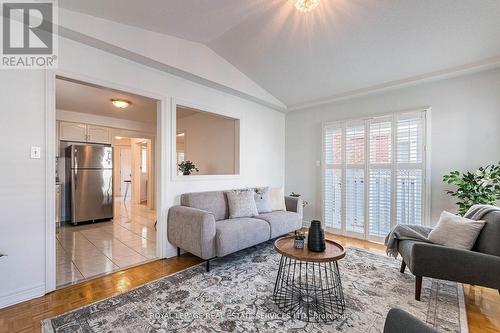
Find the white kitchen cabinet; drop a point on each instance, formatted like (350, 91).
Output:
(72, 131)
(98, 134)
(84, 133)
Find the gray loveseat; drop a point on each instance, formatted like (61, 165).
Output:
(480, 266)
(201, 225)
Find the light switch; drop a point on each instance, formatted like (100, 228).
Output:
(35, 152)
(318, 163)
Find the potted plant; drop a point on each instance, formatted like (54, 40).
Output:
(298, 241)
(479, 187)
(296, 195)
(187, 167)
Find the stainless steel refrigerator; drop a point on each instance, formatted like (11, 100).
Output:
(90, 181)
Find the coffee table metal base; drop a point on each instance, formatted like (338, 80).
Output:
(309, 291)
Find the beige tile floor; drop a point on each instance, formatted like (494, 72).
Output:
(91, 250)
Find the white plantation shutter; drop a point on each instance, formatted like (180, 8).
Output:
(332, 178)
(355, 200)
(410, 169)
(333, 198)
(379, 214)
(355, 177)
(409, 197)
(380, 173)
(374, 174)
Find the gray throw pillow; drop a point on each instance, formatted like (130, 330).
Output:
(263, 200)
(455, 231)
(241, 203)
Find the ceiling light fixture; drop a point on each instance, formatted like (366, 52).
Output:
(120, 103)
(305, 5)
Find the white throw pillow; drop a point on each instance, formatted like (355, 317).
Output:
(263, 200)
(455, 231)
(278, 199)
(241, 203)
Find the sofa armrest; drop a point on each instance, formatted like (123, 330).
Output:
(452, 264)
(398, 321)
(192, 230)
(294, 204)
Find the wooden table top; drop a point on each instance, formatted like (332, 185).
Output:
(333, 251)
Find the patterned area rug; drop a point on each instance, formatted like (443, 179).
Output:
(236, 297)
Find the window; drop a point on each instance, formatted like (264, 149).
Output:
(374, 173)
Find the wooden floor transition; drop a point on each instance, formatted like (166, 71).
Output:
(483, 304)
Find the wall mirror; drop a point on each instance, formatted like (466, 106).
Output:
(205, 143)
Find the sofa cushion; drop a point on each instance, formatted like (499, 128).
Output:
(282, 222)
(241, 203)
(263, 200)
(278, 198)
(214, 202)
(232, 235)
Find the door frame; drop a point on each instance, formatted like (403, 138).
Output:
(118, 150)
(162, 166)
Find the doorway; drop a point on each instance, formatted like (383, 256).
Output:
(101, 245)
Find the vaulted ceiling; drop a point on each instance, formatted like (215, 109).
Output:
(342, 48)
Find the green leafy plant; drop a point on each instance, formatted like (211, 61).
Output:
(187, 168)
(297, 195)
(479, 187)
(300, 235)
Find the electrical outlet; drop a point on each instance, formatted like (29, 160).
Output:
(35, 152)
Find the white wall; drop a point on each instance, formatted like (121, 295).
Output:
(22, 190)
(464, 134)
(209, 142)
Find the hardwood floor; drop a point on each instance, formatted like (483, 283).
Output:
(483, 304)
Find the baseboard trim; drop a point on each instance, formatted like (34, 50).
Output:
(22, 295)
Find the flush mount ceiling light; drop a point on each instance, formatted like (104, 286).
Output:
(305, 5)
(120, 103)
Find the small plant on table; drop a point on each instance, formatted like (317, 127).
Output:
(299, 239)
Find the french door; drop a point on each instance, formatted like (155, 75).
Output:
(374, 174)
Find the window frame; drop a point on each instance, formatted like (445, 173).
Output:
(394, 167)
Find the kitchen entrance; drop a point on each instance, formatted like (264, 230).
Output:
(105, 180)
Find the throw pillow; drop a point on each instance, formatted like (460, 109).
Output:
(455, 231)
(241, 203)
(262, 198)
(278, 199)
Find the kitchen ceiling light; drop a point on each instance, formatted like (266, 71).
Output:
(305, 5)
(120, 103)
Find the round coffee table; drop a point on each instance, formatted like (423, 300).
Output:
(308, 285)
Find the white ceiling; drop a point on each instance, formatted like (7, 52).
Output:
(340, 48)
(77, 97)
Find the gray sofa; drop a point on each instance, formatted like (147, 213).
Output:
(201, 225)
(480, 266)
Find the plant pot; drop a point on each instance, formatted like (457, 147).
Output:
(298, 243)
(316, 237)
(186, 173)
